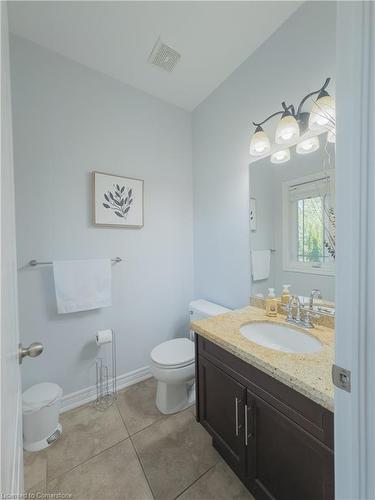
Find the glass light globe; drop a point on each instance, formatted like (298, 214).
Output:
(260, 143)
(287, 130)
(280, 156)
(323, 112)
(308, 146)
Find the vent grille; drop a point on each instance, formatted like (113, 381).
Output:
(164, 56)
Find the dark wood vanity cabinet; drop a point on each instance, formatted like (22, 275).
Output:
(221, 411)
(278, 442)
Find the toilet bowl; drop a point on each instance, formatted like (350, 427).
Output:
(173, 363)
(173, 366)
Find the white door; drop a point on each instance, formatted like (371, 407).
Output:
(10, 377)
(355, 274)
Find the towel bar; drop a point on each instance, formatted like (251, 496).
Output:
(36, 263)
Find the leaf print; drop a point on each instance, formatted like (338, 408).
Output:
(118, 201)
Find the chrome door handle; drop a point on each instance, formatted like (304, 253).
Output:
(34, 350)
(236, 409)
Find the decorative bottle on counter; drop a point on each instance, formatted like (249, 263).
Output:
(271, 303)
(285, 296)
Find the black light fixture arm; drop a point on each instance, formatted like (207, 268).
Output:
(286, 108)
(311, 94)
(291, 108)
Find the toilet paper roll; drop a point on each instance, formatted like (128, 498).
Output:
(104, 337)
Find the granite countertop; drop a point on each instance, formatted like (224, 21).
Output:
(309, 374)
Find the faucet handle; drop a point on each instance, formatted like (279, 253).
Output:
(308, 315)
(315, 292)
(307, 319)
(288, 308)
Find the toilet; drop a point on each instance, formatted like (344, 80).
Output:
(173, 363)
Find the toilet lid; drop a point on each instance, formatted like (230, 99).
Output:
(39, 395)
(174, 353)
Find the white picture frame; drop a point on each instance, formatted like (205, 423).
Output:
(118, 201)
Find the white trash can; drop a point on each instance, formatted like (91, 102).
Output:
(40, 409)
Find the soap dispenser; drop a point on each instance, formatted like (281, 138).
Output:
(271, 303)
(285, 296)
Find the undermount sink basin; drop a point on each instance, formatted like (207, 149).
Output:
(280, 337)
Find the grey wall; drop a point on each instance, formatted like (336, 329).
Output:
(69, 121)
(293, 61)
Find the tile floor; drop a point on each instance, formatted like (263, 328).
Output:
(132, 452)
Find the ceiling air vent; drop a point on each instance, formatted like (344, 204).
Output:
(163, 56)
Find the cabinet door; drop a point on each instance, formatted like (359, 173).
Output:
(284, 462)
(221, 411)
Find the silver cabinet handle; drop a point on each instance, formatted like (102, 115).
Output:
(252, 421)
(32, 351)
(246, 425)
(236, 406)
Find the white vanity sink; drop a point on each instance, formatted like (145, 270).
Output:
(280, 337)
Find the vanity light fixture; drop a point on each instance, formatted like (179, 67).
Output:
(280, 156)
(308, 146)
(287, 129)
(323, 112)
(293, 123)
(260, 144)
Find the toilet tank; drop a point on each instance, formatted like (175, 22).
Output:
(200, 309)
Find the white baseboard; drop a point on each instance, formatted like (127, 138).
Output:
(87, 395)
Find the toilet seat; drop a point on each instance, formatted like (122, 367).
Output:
(175, 353)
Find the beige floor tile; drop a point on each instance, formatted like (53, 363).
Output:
(35, 470)
(193, 409)
(174, 452)
(114, 474)
(219, 483)
(137, 405)
(86, 432)
(37, 490)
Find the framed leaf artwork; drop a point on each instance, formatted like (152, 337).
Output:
(118, 201)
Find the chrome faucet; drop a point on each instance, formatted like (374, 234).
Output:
(297, 318)
(306, 313)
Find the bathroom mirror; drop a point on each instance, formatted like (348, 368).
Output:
(292, 225)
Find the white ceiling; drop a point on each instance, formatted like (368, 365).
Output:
(116, 38)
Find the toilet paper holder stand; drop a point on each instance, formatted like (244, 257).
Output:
(106, 374)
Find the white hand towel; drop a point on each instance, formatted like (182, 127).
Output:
(82, 285)
(260, 264)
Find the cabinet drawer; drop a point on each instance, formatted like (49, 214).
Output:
(312, 417)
